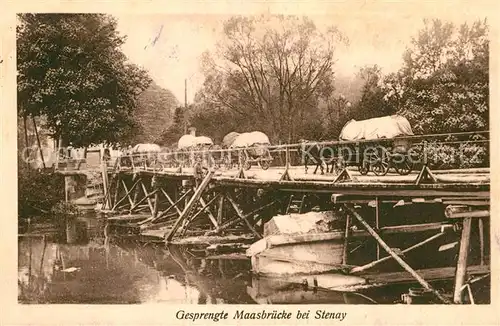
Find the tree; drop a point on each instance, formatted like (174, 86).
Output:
(71, 70)
(272, 77)
(443, 85)
(170, 135)
(372, 103)
(154, 113)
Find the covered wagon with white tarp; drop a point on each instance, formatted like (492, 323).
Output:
(253, 148)
(384, 127)
(143, 155)
(377, 145)
(193, 148)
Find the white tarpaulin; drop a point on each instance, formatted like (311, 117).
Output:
(146, 148)
(203, 140)
(188, 141)
(376, 128)
(229, 138)
(250, 138)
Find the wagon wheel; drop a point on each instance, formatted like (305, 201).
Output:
(381, 166)
(364, 167)
(404, 167)
(247, 165)
(264, 164)
(243, 160)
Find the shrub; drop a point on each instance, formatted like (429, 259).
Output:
(38, 191)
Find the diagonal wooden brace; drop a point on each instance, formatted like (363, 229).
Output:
(395, 255)
(242, 216)
(190, 205)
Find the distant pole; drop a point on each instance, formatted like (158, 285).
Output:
(185, 105)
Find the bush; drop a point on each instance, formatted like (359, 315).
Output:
(464, 155)
(38, 191)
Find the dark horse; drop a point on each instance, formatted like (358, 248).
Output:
(321, 155)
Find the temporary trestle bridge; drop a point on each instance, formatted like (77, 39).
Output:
(430, 210)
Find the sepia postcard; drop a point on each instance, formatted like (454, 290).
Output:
(253, 163)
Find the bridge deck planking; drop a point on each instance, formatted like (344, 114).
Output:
(467, 183)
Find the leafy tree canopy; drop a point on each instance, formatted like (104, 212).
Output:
(155, 112)
(71, 70)
(443, 85)
(270, 77)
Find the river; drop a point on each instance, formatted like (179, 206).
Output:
(72, 262)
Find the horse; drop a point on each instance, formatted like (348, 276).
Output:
(322, 155)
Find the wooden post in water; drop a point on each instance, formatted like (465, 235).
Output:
(117, 190)
(396, 256)
(104, 171)
(136, 189)
(154, 186)
(481, 239)
(220, 212)
(462, 260)
(377, 225)
(346, 239)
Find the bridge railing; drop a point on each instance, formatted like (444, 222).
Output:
(448, 150)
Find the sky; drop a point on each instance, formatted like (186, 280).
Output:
(169, 46)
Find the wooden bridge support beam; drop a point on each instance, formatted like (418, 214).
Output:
(377, 222)
(343, 176)
(359, 269)
(205, 206)
(286, 175)
(463, 253)
(172, 203)
(425, 175)
(148, 197)
(190, 205)
(481, 239)
(157, 188)
(242, 216)
(346, 239)
(117, 179)
(127, 194)
(105, 184)
(237, 219)
(396, 256)
(162, 214)
(220, 212)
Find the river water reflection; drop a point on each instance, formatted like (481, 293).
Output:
(75, 263)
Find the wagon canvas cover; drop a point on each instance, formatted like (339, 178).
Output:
(188, 141)
(376, 128)
(145, 148)
(250, 138)
(229, 138)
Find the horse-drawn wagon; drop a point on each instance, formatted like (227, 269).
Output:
(142, 155)
(193, 149)
(252, 147)
(377, 145)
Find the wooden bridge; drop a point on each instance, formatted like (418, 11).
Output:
(203, 203)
